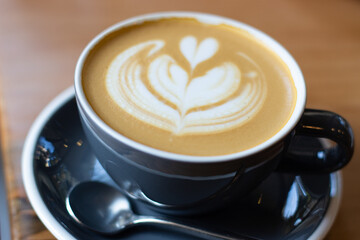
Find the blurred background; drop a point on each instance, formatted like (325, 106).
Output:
(40, 41)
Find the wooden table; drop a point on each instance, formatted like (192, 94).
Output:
(40, 41)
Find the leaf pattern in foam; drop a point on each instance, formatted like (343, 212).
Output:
(175, 101)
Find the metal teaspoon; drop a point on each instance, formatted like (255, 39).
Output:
(104, 209)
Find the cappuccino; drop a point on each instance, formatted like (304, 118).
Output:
(188, 87)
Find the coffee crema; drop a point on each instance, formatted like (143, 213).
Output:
(188, 87)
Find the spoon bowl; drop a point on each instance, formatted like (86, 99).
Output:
(99, 207)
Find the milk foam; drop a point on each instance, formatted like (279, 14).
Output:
(170, 98)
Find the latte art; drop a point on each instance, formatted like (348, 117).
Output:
(188, 87)
(167, 95)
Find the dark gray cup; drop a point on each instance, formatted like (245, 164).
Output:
(183, 184)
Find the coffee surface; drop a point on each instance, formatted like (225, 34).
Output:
(187, 87)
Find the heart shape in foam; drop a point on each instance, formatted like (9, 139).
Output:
(195, 53)
(171, 99)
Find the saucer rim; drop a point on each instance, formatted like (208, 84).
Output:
(59, 232)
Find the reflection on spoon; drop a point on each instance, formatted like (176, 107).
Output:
(104, 209)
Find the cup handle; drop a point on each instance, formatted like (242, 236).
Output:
(319, 124)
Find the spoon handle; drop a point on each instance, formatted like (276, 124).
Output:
(188, 229)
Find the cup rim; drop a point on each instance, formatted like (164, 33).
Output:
(272, 44)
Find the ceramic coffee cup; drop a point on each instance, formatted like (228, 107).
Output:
(186, 184)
